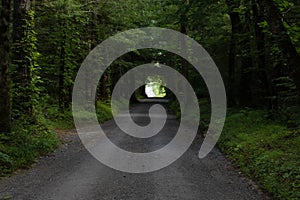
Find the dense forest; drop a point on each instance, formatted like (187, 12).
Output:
(255, 44)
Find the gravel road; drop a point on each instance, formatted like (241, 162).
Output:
(72, 173)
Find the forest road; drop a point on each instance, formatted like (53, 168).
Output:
(72, 173)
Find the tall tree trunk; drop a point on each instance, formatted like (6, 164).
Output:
(65, 94)
(184, 47)
(21, 76)
(245, 84)
(183, 30)
(260, 58)
(93, 43)
(4, 63)
(185, 65)
(235, 27)
(239, 60)
(276, 26)
(103, 85)
(233, 64)
(61, 81)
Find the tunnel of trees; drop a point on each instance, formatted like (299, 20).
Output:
(255, 44)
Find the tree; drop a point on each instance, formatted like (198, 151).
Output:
(25, 78)
(62, 50)
(235, 30)
(21, 75)
(4, 64)
(260, 52)
(239, 55)
(276, 26)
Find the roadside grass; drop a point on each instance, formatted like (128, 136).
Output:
(23, 145)
(64, 121)
(204, 113)
(103, 111)
(266, 151)
(56, 119)
(26, 142)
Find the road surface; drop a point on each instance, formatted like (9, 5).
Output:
(71, 173)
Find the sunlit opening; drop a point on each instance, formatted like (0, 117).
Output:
(155, 88)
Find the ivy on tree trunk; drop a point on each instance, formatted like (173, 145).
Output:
(25, 79)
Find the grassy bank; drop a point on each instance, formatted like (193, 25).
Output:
(266, 151)
(26, 142)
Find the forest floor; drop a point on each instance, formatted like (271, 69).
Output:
(71, 172)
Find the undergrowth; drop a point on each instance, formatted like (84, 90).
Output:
(103, 111)
(27, 141)
(265, 150)
(24, 144)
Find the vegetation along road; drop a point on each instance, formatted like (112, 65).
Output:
(72, 173)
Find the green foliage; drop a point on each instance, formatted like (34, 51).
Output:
(27, 141)
(205, 113)
(103, 111)
(264, 150)
(64, 120)
(26, 92)
(63, 32)
(175, 107)
(57, 119)
(291, 13)
(157, 86)
(34, 69)
(62, 43)
(284, 5)
(24, 145)
(286, 100)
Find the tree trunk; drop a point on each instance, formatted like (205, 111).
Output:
(260, 58)
(61, 81)
(235, 27)
(184, 48)
(239, 58)
(276, 26)
(103, 87)
(244, 47)
(21, 76)
(183, 30)
(4, 63)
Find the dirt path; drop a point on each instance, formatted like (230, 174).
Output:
(72, 173)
